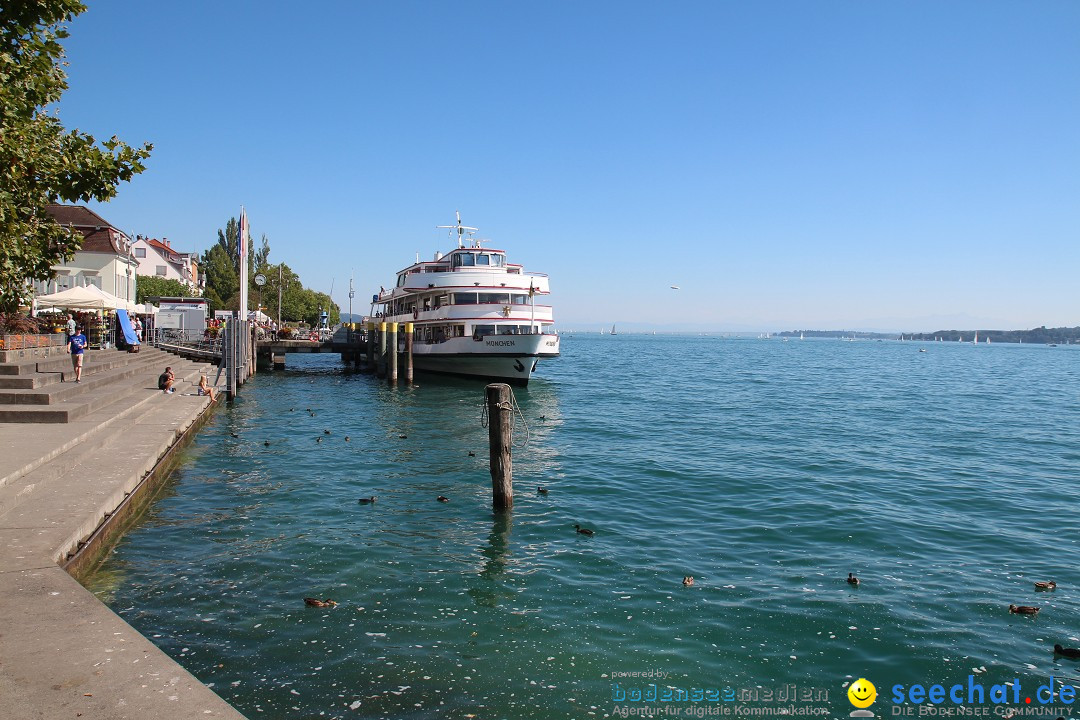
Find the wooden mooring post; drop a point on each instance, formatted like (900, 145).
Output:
(393, 345)
(371, 347)
(408, 353)
(500, 421)
(381, 366)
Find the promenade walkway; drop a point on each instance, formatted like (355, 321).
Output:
(63, 654)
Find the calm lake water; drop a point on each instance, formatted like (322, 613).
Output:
(768, 470)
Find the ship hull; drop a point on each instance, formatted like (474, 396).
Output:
(501, 358)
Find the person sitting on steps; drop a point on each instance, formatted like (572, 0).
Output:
(206, 389)
(165, 381)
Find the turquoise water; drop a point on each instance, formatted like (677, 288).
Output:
(768, 470)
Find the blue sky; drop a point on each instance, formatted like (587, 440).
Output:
(903, 166)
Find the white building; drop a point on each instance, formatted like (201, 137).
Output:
(104, 260)
(158, 258)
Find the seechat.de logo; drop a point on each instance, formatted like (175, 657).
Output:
(862, 694)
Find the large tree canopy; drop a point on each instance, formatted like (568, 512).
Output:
(40, 162)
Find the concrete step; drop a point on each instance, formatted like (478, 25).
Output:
(92, 395)
(95, 373)
(104, 427)
(29, 382)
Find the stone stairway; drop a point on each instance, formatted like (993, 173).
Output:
(44, 391)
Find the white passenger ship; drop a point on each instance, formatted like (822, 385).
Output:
(473, 313)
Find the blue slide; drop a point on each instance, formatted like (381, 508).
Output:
(125, 325)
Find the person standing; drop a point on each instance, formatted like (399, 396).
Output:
(77, 347)
(70, 327)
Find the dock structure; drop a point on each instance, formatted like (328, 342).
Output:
(368, 348)
(351, 345)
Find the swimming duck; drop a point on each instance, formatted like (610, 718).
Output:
(443, 498)
(267, 443)
(403, 436)
(1067, 652)
(852, 580)
(316, 602)
(368, 500)
(346, 438)
(235, 434)
(472, 454)
(541, 490)
(688, 580)
(1048, 585)
(584, 531)
(1024, 609)
(318, 439)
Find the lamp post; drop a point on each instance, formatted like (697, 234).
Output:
(351, 294)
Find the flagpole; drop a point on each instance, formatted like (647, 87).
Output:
(243, 251)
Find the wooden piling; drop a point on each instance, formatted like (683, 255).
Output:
(382, 349)
(393, 344)
(371, 347)
(500, 421)
(408, 353)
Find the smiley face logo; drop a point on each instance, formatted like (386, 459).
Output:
(862, 693)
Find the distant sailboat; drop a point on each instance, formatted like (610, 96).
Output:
(976, 340)
(613, 329)
(801, 336)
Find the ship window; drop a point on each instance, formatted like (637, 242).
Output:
(468, 259)
(401, 279)
(442, 300)
(483, 259)
(480, 331)
(521, 299)
(498, 260)
(501, 298)
(459, 330)
(456, 262)
(464, 298)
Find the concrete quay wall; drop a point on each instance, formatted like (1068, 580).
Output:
(64, 654)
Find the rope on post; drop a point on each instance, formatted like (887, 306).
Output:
(514, 407)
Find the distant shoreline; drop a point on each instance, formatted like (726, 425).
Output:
(1040, 335)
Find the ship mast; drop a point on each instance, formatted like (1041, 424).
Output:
(461, 229)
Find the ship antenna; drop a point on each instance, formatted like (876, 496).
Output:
(461, 229)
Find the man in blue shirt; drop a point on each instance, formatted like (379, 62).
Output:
(77, 346)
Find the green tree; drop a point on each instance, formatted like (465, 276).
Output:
(40, 162)
(148, 286)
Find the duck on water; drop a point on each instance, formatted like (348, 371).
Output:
(473, 313)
